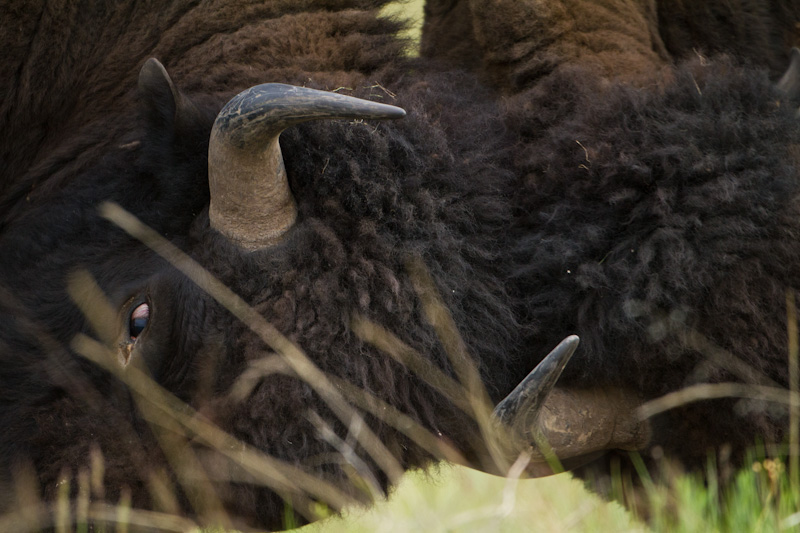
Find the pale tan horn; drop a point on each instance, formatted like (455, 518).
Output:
(577, 425)
(251, 203)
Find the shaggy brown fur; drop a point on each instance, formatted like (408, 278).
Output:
(514, 43)
(64, 62)
(666, 235)
(578, 205)
(761, 32)
(370, 196)
(521, 41)
(638, 191)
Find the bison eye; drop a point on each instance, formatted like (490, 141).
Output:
(138, 320)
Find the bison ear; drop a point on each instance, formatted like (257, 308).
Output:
(166, 108)
(789, 84)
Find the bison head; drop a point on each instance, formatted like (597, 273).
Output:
(293, 353)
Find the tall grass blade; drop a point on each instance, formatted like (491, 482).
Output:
(794, 408)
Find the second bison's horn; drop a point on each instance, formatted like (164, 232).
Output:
(520, 409)
(573, 425)
(251, 203)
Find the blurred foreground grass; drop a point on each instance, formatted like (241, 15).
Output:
(456, 499)
(760, 499)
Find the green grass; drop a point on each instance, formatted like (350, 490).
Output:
(761, 498)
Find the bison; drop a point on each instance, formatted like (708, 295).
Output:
(586, 52)
(353, 294)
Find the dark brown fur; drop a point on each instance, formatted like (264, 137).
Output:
(370, 197)
(590, 152)
(580, 204)
(512, 44)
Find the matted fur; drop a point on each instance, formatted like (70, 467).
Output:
(661, 226)
(512, 44)
(631, 217)
(370, 197)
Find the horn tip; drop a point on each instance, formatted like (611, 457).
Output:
(572, 342)
(572, 339)
(395, 112)
(562, 353)
(152, 68)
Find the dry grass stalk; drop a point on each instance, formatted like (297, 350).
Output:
(794, 408)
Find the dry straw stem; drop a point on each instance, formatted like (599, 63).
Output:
(757, 385)
(794, 410)
(82, 504)
(387, 342)
(63, 516)
(403, 423)
(173, 422)
(441, 320)
(469, 395)
(162, 410)
(505, 447)
(468, 392)
(712, 391)
(369, 332)
(474, 405)
(723, 359)
(348, 452)
(142, 519)
(98, 514)
(172, 438)
(29, 511)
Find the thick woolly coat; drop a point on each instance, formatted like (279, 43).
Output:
(371, 197)
(661, 227)
(512, 44)
(578, 205)
(652, 210)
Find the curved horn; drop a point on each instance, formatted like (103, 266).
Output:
(520, 409)
(577, 425)
(251, 202)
